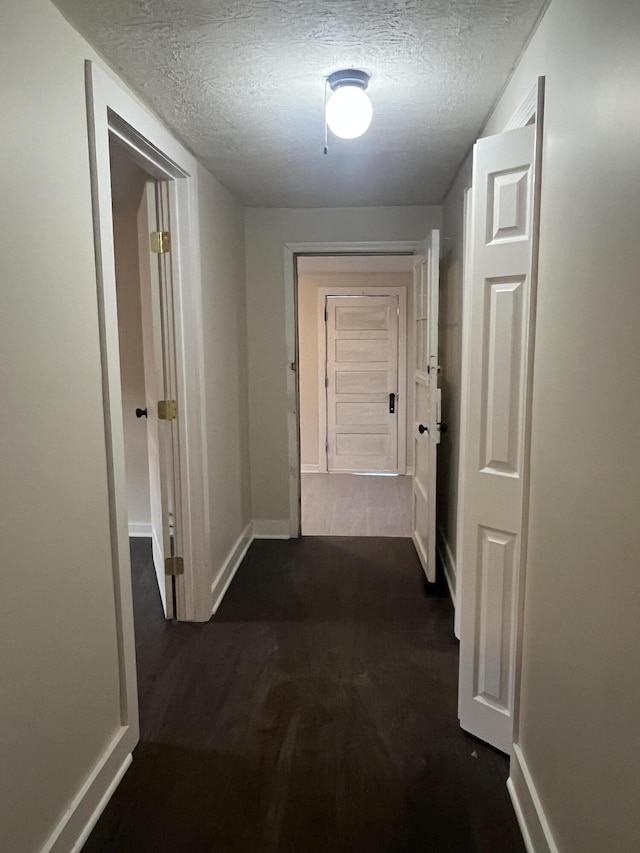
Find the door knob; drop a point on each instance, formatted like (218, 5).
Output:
(141, 413)
(422, 429)
(442, 428)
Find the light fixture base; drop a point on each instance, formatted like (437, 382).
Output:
(348, 77)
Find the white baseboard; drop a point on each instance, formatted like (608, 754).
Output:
(231, 565)
(448, 563)
(140, 528)
(265, 529)
(534, 825)
(309, 469)
(82, 814)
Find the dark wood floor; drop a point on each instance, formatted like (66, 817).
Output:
(316, 713)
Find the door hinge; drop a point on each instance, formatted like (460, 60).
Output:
(173, 566)
(326, 316)
(167, 410)
(160, 242)
(326, 381)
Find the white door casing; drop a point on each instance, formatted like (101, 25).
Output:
(159, 439)
(361, 375)
(290, 253)
(426, 403)
(493, 467)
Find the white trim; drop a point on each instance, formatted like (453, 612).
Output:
(526, 111)
(305, 468)
(95, 817)
(448, 564)
(86, 807)
(141, 529)
(526, 467)
(527, 805)
(465, 371)
(230, 566)
(290, 250)
(409, 471)
(266, 529)
(112, 111)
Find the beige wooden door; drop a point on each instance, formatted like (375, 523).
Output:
(362, 383)
(426, 420)
(494, 463)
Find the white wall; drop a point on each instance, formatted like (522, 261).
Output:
(127, 184)
(60, 681)
(225, 341)
(580, 692)
(450, 346)
(308, 315)
(59, 667)
(267, 230)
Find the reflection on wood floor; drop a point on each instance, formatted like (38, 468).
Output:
(315, 713)
(353, 505)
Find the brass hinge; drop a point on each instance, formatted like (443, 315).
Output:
(167, 410)
(173, 566)
(160, 242)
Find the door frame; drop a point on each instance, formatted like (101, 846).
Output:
(291, 253)
(111, 111)
(401, 292)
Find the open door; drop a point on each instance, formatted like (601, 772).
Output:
(160, 413)
(426, 420)
(503, 225)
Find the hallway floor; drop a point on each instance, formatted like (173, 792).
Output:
(356, 505)
(316, 713)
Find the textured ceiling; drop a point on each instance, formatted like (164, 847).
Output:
(241, 82)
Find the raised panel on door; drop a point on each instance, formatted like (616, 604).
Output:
(502, 378)
(494, 616)
(493, 463)
(362, 372)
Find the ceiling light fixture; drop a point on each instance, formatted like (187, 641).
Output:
(348, 111)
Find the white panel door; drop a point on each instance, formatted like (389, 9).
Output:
(500, 293)
(362, 383)
(426, 419)
(159, 439)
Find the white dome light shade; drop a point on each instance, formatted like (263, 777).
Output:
(349, 112)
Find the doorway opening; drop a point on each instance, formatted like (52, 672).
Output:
(144, 301)
(354, 319)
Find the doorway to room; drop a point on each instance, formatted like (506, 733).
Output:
(354, 315)
(144, 300)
